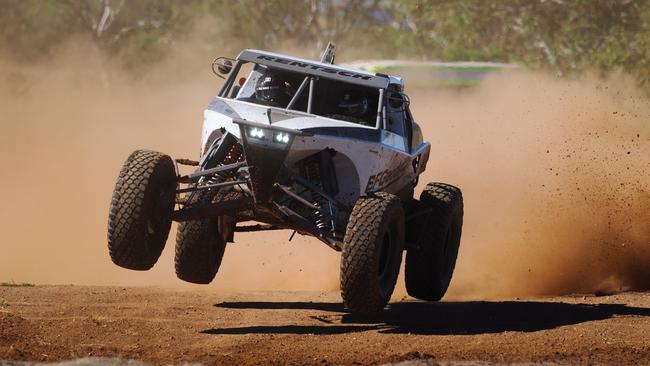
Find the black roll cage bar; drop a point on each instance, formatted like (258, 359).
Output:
(309, 80)
(385, 94)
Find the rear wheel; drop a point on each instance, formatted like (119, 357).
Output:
(431, 261)
(139, 218)
(372, 252)
(199, 247)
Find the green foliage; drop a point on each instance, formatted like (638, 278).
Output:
(564, 36)
(14, 284)
(28, 27)
(143, 47)
(134, 31)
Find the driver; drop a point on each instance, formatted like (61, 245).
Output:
(271, 90)
(352, 107)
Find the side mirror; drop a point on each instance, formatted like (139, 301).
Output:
(395, 101)
(221, 66)
(398, 101)
(224, 67)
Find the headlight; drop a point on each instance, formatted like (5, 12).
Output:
(282, 137)
(256, 132)
(268, 136)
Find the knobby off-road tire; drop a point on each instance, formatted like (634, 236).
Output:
(372, 252)
(199, 247)
(430, 264)
(139, 218)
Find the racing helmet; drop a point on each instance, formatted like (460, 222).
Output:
(269, 89)
(353, 104)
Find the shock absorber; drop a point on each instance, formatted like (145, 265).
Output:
(322, 215)
(235, 154)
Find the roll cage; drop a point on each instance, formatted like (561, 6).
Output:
(388, 106)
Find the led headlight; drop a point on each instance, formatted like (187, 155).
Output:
(256, 132)
(282, 137)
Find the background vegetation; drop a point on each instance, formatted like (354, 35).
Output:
(564, 36)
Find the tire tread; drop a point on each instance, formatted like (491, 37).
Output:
(421, 276)
(359, 285)
(129, 245)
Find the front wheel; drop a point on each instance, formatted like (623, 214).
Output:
(199, 251)
(199, 245)
(139, 218)
(372, 252)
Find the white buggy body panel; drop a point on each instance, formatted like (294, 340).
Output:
(362, 165)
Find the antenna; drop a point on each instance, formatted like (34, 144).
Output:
(329, 53)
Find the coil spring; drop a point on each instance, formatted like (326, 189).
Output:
(312, 174)
(235, 154)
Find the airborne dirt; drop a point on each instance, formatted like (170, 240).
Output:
(556, 179)
(557, 201)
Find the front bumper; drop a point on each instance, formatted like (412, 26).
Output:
(266, 148)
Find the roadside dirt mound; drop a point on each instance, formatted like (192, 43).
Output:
(554, 173)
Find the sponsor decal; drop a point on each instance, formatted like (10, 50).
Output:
(311, 66)
(384, 178)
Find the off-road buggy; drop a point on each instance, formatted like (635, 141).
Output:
(335, 154)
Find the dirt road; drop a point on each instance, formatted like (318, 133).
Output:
(161, 326)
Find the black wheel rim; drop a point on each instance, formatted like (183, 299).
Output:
(158, 215)
(386, 261)
(155, 216)
(384, 254)
(447, 258)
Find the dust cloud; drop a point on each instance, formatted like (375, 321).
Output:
(65, 129)
(555, 176)
(556, 182)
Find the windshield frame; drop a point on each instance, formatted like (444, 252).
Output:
(309, 80)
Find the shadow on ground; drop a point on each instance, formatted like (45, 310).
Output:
(444, 318)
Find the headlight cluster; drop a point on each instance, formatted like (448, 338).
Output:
(256, 132)
(281, 137)
(262, 134)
